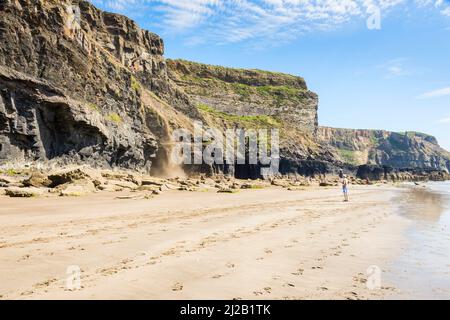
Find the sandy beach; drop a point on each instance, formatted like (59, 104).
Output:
(255, 244)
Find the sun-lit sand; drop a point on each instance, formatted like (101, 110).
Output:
(255, 244)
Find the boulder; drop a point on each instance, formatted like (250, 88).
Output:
(37, 180)
(9, 181)
(123, 184)
(76, 188)
(16, 192)
(151, 188)
(67, 176)
(152, 182)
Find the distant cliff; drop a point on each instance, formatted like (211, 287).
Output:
(378, 147)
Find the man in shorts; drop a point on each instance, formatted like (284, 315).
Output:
(345, 183)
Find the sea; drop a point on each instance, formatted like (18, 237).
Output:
(422, 270)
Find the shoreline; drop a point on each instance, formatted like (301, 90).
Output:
(422, 270)
(256, 244)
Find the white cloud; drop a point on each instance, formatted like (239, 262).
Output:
(446, 12)
(436, 93)
(230, 21)
(444, 120)
(397, 68)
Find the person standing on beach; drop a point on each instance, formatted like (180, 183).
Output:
(344, 181)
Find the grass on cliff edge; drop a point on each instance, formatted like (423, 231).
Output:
(348, 156)
(244, 121)
(277, 94)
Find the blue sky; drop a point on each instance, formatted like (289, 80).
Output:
(395, 76)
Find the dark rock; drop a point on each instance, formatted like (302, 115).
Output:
(37, 180)
(16, 192)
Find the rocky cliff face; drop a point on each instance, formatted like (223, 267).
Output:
(237, 98)
(248, 93)
(81, 85)
(383, 148)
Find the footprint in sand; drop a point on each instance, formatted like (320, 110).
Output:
(360, 278)
(177, 287)
(25, 257)
(267, 251)
(230, 265)
(298, 273)
(289, 285)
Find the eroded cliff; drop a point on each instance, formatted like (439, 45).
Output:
(79, 85)
(248, 93)
(82, 85)
(384, 148)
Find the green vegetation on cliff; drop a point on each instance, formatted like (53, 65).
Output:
(114, 117)
(272, 94)
(251, 122)
(348, 156)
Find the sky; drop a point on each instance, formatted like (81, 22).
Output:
(375, 64)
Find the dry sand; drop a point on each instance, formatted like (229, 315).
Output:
(255, 244)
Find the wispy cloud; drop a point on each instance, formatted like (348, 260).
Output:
(231, 21)
(436, 93)
(398, 67)
(444, 120)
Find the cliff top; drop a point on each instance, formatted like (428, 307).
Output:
(252, 77)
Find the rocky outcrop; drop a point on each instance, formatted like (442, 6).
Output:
(81, 85)
(377, 173)
(230, 98)
(407, 150)
(248, 93)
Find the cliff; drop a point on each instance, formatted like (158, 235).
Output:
(248, 92)
(384, 148)
(242, 98)
(83, 86)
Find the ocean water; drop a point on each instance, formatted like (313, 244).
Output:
(422, 271)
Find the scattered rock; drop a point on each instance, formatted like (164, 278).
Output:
(326, 184)
(76, 188)
(124, 184)
(151, 188)
(37, 180)
(152, 182)
(225, 190)
(17, 192)
(70, 175)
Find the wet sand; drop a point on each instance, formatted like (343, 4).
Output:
(255, 244)
(422, 270)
